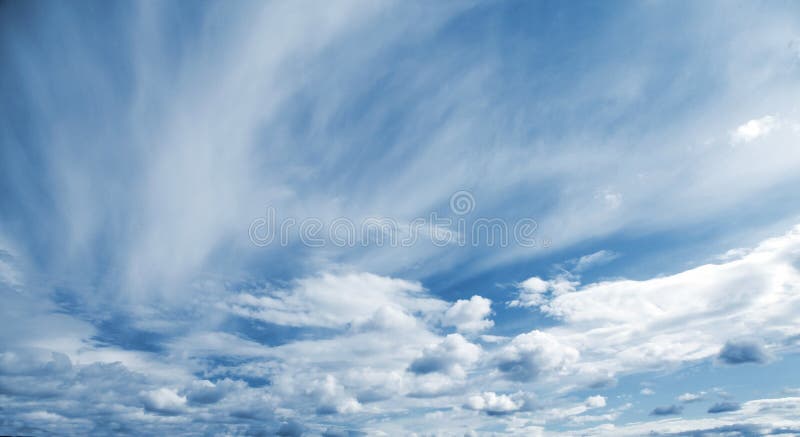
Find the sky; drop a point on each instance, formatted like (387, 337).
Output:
(380, 218)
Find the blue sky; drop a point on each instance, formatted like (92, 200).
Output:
(147, 149)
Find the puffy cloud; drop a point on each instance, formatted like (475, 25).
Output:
(625, 325)
(469, 315)
(724, 407)
(451, 356)
(331, 397)
(531, 354)
(386, 318)
(493, 404)
(535, 291)
(667, 410)
(596, 401)
(647, 391)
(207, 392)
(531, 292)
(743, 351)
(754, 129)
(164, 401)
(433, 385)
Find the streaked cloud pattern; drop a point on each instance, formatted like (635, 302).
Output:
(654, 145)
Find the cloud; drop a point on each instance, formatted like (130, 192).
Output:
(33, 361)
(469, 315)
(164, 401)
(595, 401)
(330, 300)
(493, 404)
(691, 397)
(754, 129)
(594, 259)
(626, 325)
(611, 199)
(207, 392)
(756, 417)
(151, 240)
(452, 356)
(744, 351)
(647, 391)
(667, 410)
(386, 318)
(535, 291)
(333, 432)
(724, 407)
(531, 292)
(332, 398)
(290, 429)
(534, 353)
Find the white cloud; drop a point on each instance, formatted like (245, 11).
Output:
(756, 417)
(691, 397)
(754, 129)
(534, 353)
(386, 318)
(626, 325)
(535, 291)
(531, 292)
(207, 392)
(164, 400)
(647, 391)
(205, 157)
(331, 397)
(493, 403)
(330, 300)
(594, 259)
(469, 315)
(452, 356)
(595, 401)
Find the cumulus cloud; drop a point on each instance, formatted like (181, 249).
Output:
(469, 315)
(452, 356)
(534, 353)
(493, 404)
(743, 351)
(627, 325)
(386, 318)
(331, 397)
(207, 392)
(535, 291)
(647, 391)
(164, 401)
(596, 401)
